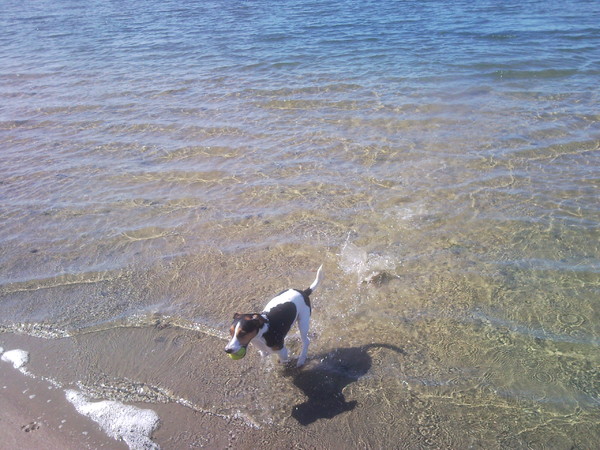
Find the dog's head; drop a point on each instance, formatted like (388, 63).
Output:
(244, 328)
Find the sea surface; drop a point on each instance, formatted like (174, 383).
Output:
(164, 164)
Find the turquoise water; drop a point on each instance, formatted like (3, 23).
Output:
(184, 160)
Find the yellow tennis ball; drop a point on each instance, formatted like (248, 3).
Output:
(239, 354)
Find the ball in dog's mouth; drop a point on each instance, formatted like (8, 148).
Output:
(239, 354)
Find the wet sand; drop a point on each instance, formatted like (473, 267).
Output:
(204, 407)
(348, 395)
(36, 415)
(34, 424)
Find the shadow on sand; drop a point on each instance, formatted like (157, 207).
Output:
(324, 384)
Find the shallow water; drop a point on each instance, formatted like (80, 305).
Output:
(171, 164)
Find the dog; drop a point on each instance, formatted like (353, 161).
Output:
(267, 330)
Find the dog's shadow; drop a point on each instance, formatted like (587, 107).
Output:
(324, 383)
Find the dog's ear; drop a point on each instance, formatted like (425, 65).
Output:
(236, 316)
(261, 320)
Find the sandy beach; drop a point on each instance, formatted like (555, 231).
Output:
(38, 415)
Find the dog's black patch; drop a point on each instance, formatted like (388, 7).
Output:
(305, 295)
(281, 318)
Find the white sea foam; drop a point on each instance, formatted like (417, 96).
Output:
(122, 422)
(18, 358)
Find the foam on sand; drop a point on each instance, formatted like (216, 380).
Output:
(122, 422)
(18, 358)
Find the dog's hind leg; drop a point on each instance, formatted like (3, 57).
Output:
(303, 323)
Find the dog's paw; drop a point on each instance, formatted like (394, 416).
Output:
(300, 362)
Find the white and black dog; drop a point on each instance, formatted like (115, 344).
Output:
(268, 330)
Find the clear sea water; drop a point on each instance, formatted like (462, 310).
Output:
(167, 163)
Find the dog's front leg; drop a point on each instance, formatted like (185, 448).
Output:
(261, 346)
(283, 355)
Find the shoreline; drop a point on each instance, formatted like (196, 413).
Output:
(37, 413)
(346, 396)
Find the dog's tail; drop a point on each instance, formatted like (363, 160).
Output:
(315, 283)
